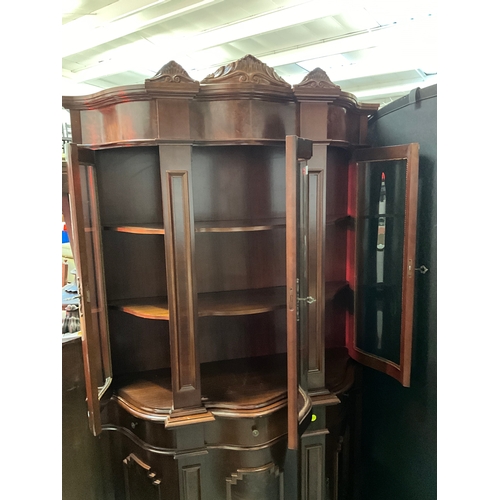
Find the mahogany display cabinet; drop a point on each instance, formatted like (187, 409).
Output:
(240, 249)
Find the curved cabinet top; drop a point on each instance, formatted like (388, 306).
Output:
(244, 102)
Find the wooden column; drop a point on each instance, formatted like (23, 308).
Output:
(316, 319)
(313, 125)
(177, 195)
(175, 165)
(174, 91)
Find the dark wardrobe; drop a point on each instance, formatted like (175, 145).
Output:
(399, 434)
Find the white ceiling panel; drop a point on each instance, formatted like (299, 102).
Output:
(372, 47)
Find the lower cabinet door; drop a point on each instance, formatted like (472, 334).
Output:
(261, 483)
(141, 482)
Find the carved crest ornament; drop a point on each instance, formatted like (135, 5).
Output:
(248, 69)
(317, 78)
(171, 72)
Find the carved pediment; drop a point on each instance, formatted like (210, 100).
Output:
(317, 79)
(248, 69)
(317, 86)
(171, 72)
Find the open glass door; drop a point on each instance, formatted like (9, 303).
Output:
(88, 258)
(298, 151)
(383, 201)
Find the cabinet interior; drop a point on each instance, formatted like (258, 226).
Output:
(240, 257)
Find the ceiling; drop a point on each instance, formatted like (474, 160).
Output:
(378, 50)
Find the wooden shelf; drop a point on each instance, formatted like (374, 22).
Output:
(231, 303)
(230, 226)
(225, 226)
(148, 308)
(148, 393)
(137, 228)
(233, 386)
(241, 302)
(242, 385)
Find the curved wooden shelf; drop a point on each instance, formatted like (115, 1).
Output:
(137, 228)
(147, 308)
(146, 395)
(241, 302)
(243, 385)
(232, 388)
(229, 226)
(230, 303)
(237, 388)
(239, 225)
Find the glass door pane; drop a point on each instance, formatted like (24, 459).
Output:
(385, 183)
(88, 258)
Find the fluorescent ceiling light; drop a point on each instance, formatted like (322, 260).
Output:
(256, 25)
(79, 36)
(325, 63)
(409, 37)
(121, 9)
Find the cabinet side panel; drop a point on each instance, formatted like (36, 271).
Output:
(336, 211)
(137, 344)
(128, 182)
(337, 230)
(135, 265)
(345, 125)
(336, 201)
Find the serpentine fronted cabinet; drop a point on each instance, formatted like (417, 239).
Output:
(227, 236)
